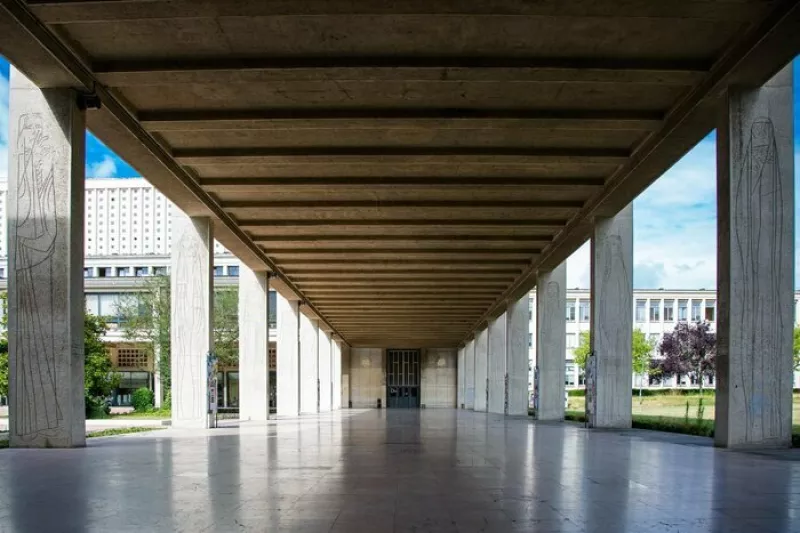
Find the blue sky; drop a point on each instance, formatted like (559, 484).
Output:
(674, 219)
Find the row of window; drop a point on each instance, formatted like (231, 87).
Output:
(658, 312)
(143, 271)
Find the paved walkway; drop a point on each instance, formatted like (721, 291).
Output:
(375, 471)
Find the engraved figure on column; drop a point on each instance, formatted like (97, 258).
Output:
(38, 158)
(759, 221)
(189, 296)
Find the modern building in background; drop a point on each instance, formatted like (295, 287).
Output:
(128, 236)
(655, 312)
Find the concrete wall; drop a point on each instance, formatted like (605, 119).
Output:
(367, 377)
(439, 377)
(345, 375)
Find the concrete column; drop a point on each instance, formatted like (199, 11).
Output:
(481, 370)
(45, 266)
(612, 319)
(461, 372)
(337, 375)
(344, 376)
(469, 375)
(755, 266)
(288, 357)
(309, 360)
(325, 399)
(517, 354)
(253, 344)
(192, 311)
(497, 365)
(551, 342)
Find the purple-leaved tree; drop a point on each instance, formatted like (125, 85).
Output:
(688, 349)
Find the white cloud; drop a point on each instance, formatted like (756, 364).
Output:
(674, 228)
(106, 168)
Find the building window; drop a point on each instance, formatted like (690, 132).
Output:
(104, 272)
(2, 273)
(123, 272)
(711, 310)
(669, 310)
(140, 271)
(655, 310)
(131, 358)
(683, 310)
(160, 271)
(641, 305)
(272, 309)
(654, 338)
(584, 310)
(218, 271)
(571, 310)
(233, 270)
(696, 316)
(88, 272)
(571, 340)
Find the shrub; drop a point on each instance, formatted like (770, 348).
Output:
(96, 407)
(142, 400)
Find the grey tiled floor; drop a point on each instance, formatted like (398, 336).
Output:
(405, 471)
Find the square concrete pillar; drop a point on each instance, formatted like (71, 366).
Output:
(551, 345)
(253, 344)
(191, 321)
(497, 365)
(612, 320)
(309, 361)
(460, 374)
(517, 357)
(469, 375)
(45, 266)
(287, 372)
(337, 374)
(325, 377)
(344, 376)
(755, 266)
(481, 370)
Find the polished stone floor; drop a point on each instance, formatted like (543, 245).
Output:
(406, 471)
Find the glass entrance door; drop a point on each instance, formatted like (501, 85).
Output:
(403, 379)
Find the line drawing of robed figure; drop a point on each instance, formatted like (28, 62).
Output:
(189, 296)
(759, 221)
(35, 407)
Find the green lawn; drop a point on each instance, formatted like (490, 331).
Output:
(156, 414)
(668, 413)
(674, 406)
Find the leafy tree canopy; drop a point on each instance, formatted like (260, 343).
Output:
(688, 349)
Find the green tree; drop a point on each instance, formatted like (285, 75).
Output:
(641, 350)
(144, 319)
(99, 378)
(581, 353)
(226, 326)
(796, 348)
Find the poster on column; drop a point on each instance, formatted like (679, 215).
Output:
(591, 389)
(211, 376)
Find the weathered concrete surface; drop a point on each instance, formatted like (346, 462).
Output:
(253, 345)
(191, 331)
(345, 373)
(755, 266)
(368, 377)
(481, 370)
(497, 365)
(45, 266)
(612, 318)
(288, 358)
(551, 295)
(325, 377)
(438, 385)
(309, 360)
(469, 375)
(461, 374)
(517, 354)
(336, 368)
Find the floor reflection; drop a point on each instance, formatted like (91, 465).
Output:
(406, 470)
